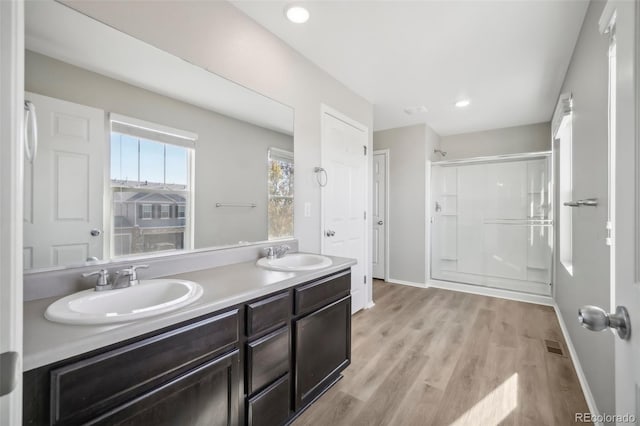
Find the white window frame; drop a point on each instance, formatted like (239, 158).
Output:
(142, 216)
(562, 129)
(278, 153)
(165, 208)
(162, 134)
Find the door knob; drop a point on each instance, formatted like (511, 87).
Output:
(380, 222)
(95, 232)
(595, 318)
(330, 233)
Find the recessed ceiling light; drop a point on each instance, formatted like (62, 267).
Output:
(463, 103)
(415, 110)
(296, 13)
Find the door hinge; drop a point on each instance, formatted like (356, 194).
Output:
(365, 279)
(365, 215)
(365, 149)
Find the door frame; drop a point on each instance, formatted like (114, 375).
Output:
(428, 222)
(368, 231)
(625, 197)
(387, 196)
(11, 186)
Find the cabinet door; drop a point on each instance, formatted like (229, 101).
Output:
(207, 395)
(323, 349)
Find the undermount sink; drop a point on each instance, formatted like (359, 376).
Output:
(149, 298)
(295, 262)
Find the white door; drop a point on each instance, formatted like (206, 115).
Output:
(11, 148)
(344, 198)
(620, 19)
(379, 216)
(64, 186)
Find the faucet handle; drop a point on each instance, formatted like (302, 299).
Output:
(103, 276)
(133, 270)
(269, 251)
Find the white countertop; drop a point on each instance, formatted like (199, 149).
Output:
(46, 342)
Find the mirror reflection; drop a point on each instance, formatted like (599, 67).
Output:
(140, 152)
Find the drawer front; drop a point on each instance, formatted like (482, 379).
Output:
(267, 359)
(206, 395)
(268, 313)
(99, 383)
(270, 407)
(319, 293)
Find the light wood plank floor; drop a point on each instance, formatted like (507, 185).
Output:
(438, 357)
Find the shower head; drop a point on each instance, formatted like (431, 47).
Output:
(441, 152)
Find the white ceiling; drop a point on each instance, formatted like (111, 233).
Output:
(508, 57)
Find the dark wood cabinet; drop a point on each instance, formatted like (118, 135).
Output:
(272, 406)
(82, 389)
(268, 314)
(267, 359)
(258, 363)
(316, 294)
(323, 349)
(206, 395)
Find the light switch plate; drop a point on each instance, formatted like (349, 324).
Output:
(307, 209)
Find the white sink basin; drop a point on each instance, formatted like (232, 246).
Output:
(149, 298)
(295, 262)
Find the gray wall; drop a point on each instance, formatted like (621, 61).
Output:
(409, 149)
(587, 79)
(509, 140)
(220, 38)
(231, 155)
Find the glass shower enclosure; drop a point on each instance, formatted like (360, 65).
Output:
(491, 222)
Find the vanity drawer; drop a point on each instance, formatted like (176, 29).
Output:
(94, 385)
(268, 313)
(319, 293)
(267, 359)
(270, 407)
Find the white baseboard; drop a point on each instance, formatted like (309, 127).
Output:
(409, 283)
(586, 390)
(493, 292)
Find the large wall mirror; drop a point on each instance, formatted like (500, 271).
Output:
(140, 152)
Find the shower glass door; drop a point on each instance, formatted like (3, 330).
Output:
(491, 223)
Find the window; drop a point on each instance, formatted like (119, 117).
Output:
(147, 211)
(151, 187)
(165, 211)
(563, 137)
(280, 193)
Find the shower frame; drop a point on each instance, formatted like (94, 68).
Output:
(430, 216)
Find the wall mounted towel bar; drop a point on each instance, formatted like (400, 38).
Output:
(252, 205)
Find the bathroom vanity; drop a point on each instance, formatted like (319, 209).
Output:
(258, 348)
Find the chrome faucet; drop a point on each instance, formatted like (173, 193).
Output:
(276, 252)
(105, 283)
